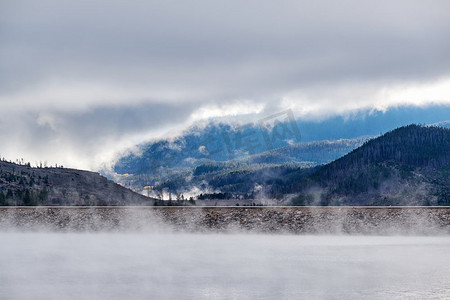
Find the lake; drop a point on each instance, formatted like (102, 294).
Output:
(78, 266)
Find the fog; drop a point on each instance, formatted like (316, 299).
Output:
(221, 266)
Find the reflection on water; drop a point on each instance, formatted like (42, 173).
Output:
(214, 266)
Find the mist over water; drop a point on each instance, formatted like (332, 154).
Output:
(221, 266)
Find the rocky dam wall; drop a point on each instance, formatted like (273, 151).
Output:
(284, 220)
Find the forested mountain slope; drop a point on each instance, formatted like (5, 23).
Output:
(407, 166)
(274, 170)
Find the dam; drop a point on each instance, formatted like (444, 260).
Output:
(290, 220)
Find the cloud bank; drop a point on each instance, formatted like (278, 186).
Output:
(80, 80)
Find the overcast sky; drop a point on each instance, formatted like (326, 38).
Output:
(81, 80)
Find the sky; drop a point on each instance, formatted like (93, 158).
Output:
(80, 81)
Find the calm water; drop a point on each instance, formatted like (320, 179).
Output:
(213, 266)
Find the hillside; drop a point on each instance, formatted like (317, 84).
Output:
(272, 142)
(307, 153)
(274, 170)
(24, 185)
(200, 144)
(407, 166)
(227, 181)
(222, 140)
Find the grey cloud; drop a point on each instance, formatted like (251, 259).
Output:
(54, 135)
(197, 43)
(120, 121)
(170, 58)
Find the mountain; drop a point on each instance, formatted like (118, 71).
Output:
(277, 167)
(307, 154)
(407, 166)
(23, 185)
(212, 142)
(277, 139)
(267, 172)
(235, 181)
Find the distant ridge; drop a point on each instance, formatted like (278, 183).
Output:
(268, 171)
(407, 166)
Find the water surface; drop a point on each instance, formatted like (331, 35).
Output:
(222, 266)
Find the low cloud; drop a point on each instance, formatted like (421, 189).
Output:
(82, 80)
